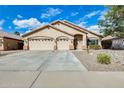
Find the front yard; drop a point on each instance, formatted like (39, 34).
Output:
(90, 60)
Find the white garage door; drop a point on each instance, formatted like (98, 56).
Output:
(38, 44)
(63, 44)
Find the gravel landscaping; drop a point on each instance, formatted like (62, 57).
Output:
(90, 60)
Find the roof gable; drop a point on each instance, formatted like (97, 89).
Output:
(69, 23)
(43, 27)
(73, 27)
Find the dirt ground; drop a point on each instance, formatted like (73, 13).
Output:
(90, 61)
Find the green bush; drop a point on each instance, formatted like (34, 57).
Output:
(103, 58)
(96, 47)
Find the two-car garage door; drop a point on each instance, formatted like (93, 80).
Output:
(41, 44)
(49, 44)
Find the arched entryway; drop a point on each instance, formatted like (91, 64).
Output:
(78, 39)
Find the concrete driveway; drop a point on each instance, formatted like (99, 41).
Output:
(41, 60)
(52, 69)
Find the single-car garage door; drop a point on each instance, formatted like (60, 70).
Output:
(41, 44)
(63, 43)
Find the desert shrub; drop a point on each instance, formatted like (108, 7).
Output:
(103, 58)
(96, 47)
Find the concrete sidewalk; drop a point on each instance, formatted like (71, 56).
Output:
(80, 80)
(61, 79)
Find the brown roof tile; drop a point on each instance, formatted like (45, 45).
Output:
(65, 21)
(38, 29)
(9, 35)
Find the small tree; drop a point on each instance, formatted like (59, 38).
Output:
(17, 33)
(113, 21)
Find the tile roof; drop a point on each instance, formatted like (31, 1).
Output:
(108, 38)
(82, 28)
(10, 35)
(40, 28)
(58, 21)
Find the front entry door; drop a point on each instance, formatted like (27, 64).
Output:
(79, 45)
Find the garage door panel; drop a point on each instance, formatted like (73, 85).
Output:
(63, 44)
(41, 45)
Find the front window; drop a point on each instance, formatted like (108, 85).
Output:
(92, 41)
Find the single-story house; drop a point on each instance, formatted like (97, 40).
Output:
(60, 35)
(107, 42)
(10, 41)
(110, 42)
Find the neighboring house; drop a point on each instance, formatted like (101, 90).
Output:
(107, 42)
(110, 42)
(60, 35)
(10, 41)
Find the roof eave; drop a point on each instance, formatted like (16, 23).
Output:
(82, 28)
(67, 25)
(35, 30)
(43, 28)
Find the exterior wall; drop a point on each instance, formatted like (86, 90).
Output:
(49, 32)
(1, 44)
(73, 32)
(53, 33)
(11, 44)
(68, 29)
(118, 43)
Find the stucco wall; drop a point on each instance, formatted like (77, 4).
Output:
(49, 32)
(73, 32)
(1, 44)
(53, 33)
(68, 29)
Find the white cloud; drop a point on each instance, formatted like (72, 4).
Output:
(19, 16)
(27, 31)
(94, 28)
(1, 23)
(82, 20)
(87, 16)
(74, 13)
(92, 14)
(82, 24)
(51, 12)
(30, 23)
(102, 15)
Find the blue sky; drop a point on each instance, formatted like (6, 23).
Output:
(26, 18)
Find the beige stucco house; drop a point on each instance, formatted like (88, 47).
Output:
(60, 35)
(10, 41)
